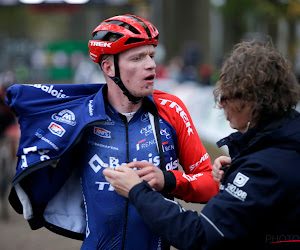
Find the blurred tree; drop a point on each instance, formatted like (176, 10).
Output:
(260, 15)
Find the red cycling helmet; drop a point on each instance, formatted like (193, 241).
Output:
(128, 31)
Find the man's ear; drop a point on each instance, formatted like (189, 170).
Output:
(108, 67)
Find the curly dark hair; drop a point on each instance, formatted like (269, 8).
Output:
(257, 73)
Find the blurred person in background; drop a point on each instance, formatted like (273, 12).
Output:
(258, 206)
(7, 117)
(70, 133)
(9, 135)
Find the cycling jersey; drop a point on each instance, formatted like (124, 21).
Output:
(71, 131)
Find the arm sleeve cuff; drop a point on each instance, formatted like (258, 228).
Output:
(137, 188)
(170, 181)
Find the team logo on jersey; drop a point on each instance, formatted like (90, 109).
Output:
(102, 132)
(56, 129)
(50, 90)
(147, 130)
(96, 163)
(139, 143)
(144, 144)
(91, 108)
(145, 117)
(65, 116)
(165, 133)
(240, 180)
(167, 147)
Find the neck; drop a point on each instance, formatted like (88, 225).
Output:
(119, 101)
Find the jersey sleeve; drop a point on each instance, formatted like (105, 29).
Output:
(245, 208)
(196, 184)
(180, 228)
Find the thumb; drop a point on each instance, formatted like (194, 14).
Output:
(108, 172)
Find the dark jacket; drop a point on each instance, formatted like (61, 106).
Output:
(258, 206)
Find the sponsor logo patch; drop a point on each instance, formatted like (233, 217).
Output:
(144, 144)
(146, 130)
(240, 180)
(65, 116)
(165, 133)
(102, 132)
(56, 129)
(234, 188)
(236, 192)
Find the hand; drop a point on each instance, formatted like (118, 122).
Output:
(150, 173)
(216, 169)
(122, 179)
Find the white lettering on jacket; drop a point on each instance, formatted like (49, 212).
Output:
(203, 158)
(179, 111)
(191, 178)
(96, 163)
(50, 90)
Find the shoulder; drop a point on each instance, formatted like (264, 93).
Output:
(163, 99)
(268, 164)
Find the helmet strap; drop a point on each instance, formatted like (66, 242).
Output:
(118, 81)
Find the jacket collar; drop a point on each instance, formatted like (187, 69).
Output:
(239, 143)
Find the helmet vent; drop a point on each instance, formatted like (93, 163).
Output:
(143, 25)
(134, 40)
(104, 35)
(153, 28)
(125, 25)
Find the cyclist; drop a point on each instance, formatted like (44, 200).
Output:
(93, 127)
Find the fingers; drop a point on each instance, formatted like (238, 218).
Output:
(149, 172)
(223, 160)
(218, 164)
(139, 164)
(217, 174)
(111, 174)
(145, 171)
(108, 172)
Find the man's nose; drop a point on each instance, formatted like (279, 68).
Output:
(150, 62)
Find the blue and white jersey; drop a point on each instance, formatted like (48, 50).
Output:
(70, 133)
(112, 221)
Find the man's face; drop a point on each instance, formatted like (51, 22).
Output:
(137, 70)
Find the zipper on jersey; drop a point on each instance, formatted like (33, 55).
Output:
(124, 119)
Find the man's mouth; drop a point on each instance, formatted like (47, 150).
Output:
(150, 77)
